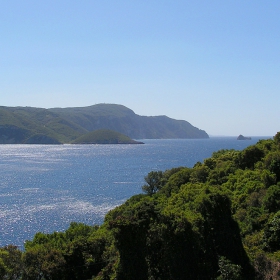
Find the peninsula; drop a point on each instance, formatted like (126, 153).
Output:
(29, 125)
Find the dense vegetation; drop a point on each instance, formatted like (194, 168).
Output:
(217, 220)
(20, 125)
(105, 136)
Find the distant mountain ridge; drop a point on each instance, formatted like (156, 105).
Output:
(64, 125)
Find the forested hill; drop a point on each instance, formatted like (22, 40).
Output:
(124, 120)
(218, 220)
(64, 125)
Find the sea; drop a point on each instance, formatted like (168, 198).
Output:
(43, 188)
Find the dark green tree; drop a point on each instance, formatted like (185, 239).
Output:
(272, 163)
(44, 262)
(130, 230)
(276, 138)
(250, 156)
(228, 270)
(154, 182)
(11, 265)
(271, 236)
(271, 200)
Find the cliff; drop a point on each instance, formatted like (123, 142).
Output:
(63, 125)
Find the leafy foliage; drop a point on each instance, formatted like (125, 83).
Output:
(154, 182)
(217, 220)
(229, 271)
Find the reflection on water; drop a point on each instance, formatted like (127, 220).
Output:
(45, 187)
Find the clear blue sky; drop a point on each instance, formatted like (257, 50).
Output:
(213, 63)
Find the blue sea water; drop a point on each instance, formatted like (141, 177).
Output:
(45, 187)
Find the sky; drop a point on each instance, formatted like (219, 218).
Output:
(215, 64)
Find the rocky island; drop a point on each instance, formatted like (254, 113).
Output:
(241, 137)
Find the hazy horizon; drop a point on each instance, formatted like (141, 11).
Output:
(214, 64)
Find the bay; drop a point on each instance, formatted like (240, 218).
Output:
(46, 187)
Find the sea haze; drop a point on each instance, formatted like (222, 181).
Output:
(45, 187)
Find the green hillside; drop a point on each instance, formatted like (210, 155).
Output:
(20, 124)
(63, 125)
(104, 136)
(124, 120)
(218, 220)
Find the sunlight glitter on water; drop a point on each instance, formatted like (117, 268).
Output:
(46, 187)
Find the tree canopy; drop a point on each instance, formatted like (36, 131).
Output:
(217, 220)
